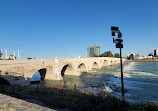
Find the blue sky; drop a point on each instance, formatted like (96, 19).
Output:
(65, 28)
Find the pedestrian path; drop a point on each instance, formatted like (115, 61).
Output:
(8, 103)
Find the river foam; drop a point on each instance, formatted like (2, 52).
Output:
(144, 74)
(129, 67)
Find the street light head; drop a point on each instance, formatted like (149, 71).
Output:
(116, 28)
(119, 45)
(113, 40)
(119, 40)
(113, 33)
(119, 34)
(112, 28)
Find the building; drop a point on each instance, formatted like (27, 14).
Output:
(155, 52)
(135, 56)
(10, 57)
(96, 50)
(93, 50)
(90, 51)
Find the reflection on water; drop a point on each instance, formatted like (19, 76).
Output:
(93, 82)
(67, 82)
(140, 80)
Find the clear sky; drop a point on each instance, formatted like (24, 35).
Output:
(65, 28)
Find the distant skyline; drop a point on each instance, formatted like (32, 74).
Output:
(65, 28)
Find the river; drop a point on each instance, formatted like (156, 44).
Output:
(140, 81)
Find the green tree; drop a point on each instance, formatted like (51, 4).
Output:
(106, 54)
(95, 55)
(150, 54)
(117, 55)
(103, 54)
(109, 54)
(1, 55)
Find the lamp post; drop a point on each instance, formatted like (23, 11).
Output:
(119, 44)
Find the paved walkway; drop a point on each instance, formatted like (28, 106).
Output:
(14, 104)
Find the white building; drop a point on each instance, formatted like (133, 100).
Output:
(136, 55)
(156, 52)
(10, 57)
(93, 50)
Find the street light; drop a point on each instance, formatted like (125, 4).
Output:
(119, 44)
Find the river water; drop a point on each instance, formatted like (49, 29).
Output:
(140, 81)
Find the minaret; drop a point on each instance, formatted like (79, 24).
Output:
(18, 55)
(14, 53)
(6, 54)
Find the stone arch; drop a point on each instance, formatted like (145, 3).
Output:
(4, 81)
(105, 63)
(67, 70)
(42, 75)
(95, 66)
(82, 67)
(111, 63)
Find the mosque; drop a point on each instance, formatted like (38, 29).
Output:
(8, 57)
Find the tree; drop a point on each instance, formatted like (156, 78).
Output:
(106, 54)
(117, 55)
(95, 55)
(103, 54)
(109, 54)
(150, 54)
(1, 56)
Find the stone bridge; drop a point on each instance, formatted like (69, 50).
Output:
(21, 71)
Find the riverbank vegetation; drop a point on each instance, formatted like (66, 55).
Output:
(74, 99)
(108, 54)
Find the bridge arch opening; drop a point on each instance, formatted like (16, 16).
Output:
(38, 76)
(95, 66)
(111, 63)
(67, 70)
(82, 67)
(4, 81)
(42, 73)
(105, 63)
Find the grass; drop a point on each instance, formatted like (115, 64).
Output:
(144, 107)
(75, 100)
